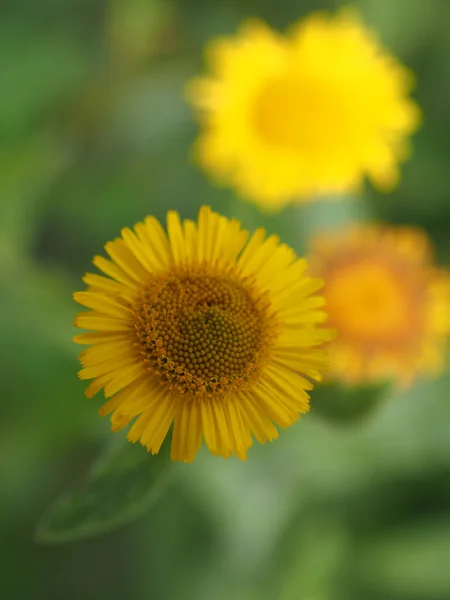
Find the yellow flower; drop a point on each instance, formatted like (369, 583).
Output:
(389, 304)
(203, 329)
(287, 117)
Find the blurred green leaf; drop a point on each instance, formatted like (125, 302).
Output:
(42, 298)
(133, 29)
(300, 223)
(120, 487)
(318, 556)
(387, 18)
(27, 170)
(151, 112)
(411, 562)
(38, 71)
(343, 404)
(308, 558)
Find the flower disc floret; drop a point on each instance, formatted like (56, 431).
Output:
(201, 333)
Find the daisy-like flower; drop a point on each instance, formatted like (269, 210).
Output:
(388, 302)
(285, 118)
(203, 329)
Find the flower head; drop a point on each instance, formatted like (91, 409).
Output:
(204, 329)
(287, 117)
(389, 304)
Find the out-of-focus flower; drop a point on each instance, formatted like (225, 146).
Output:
(202, 329)
(285, 118)
(387, 300)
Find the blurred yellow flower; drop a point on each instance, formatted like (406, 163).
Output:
(203, 329)
(285, 118)
(388, 302)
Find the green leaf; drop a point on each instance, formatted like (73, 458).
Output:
(345, 404)
(409, 561)
(40, 68)
(27, 170)
(120, 487)
(134, 28)
(303, 221)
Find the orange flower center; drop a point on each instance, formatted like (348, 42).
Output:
(202, 333)
(372, 303)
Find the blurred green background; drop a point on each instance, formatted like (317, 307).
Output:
(94, 135)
